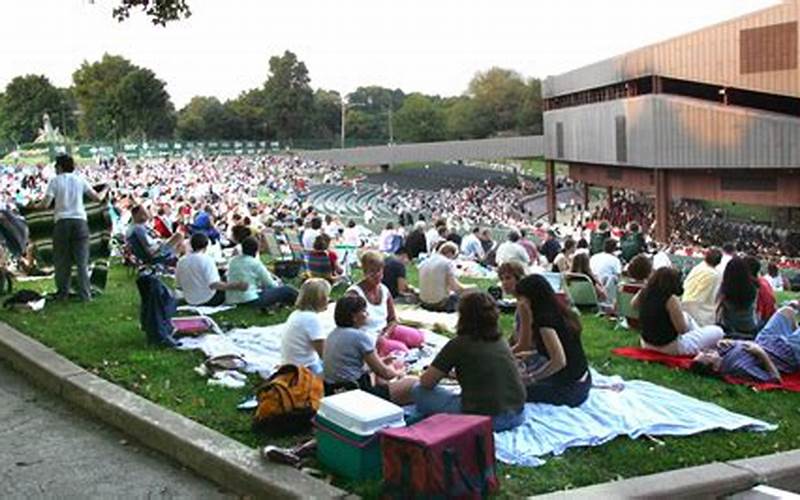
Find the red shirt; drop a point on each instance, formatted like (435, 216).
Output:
(765, 300)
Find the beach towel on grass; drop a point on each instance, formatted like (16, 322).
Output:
(791, 382)
(640, 408)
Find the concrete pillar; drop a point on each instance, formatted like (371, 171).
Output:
(550, 178)
(586, 200)
(663, 202)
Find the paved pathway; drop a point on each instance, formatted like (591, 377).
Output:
(49, 449)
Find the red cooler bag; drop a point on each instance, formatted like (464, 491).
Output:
(443, 456)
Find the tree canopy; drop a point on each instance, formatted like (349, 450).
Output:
(159, 11)
(24, 102)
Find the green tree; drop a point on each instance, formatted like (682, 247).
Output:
(421, 119)
(288, 97)
(529, 117)
(369, 111)
(25, 101)
(118, 99)
(326, 122)
(249, 112)
(464, 120)
(159, 11)
(498, 93)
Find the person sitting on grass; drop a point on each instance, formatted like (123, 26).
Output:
(303, 340)
(145, 247)
(438, 285)
(765, 298)
(775, 350)
(580, 265)
(736, 300)
(323, 262)
(263, 289)
(665, 327)
(549, 343)
(197, 275)
(350, 359)
(382, 324)
(395, 279)
(700, 289)
(484, 367)
(639, 269)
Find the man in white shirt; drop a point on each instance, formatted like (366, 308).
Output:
(511, 251)
(728, 252)
(471, 247)
(197, 275)
(310, 234)
(71, 230)
(608, 268)
(438, 286)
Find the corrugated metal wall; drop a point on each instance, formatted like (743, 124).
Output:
(675, 132)
(711, 55)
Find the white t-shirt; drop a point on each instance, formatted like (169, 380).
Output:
(309, 235)
(605, 265)
(723, 263)
(68, 190)
(376, 313)
(661, 259)
(509, 251)
(302, 328)
(194, 273)
(434, 275)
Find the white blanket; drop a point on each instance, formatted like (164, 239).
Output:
(641, 408)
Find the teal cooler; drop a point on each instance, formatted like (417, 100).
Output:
(346, 428)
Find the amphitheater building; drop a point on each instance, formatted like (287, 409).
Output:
(710, 115)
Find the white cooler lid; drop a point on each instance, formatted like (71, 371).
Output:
(360, 412)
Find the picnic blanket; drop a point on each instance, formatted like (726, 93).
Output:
(260, 346)
(791, 382)
(413, 315)
(205, 310)
(640, 408)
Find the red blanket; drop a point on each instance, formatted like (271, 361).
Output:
(791, 382)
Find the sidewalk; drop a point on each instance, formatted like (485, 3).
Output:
(49, 449)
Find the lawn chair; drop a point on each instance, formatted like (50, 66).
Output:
(582, 292)
(627, 315)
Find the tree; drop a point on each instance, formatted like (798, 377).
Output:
(206, 118)
(159, 11)
(369, 110)
(464, 120)
(498, 94)
(529, 117)
(249, 112)
(420, 119)
(326, 123)
(26, 99)
(118, 99)
(288, 97)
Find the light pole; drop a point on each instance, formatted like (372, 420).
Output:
(345, 105)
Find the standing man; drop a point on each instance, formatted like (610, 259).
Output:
(71, 231)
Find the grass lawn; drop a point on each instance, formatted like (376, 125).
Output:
(104, 337)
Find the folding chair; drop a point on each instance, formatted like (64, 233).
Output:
(581, 291)
(627, 315)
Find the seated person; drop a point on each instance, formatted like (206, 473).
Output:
(303, 340)
(774, 277)
(736, 300)
(438, 286)
(471, 247)
(381, 324)
(549, 342)
(700, 289)
(607, 268)
(263, 289)
(639, 269)
(204, 223)
(394, 276)
(511, 251)
(563, 261)
(145, 247)
(765, 298)
(484, 367)
(580, 265)
(197, 275)
(350, 359)
(323, 262)
(665, 327)
(775, 350)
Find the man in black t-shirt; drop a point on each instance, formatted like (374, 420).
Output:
(394, 277)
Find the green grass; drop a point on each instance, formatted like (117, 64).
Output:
(104, 338)
(535, 167)
(740, 211)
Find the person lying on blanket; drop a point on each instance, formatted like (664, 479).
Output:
(665, 327)
(350, 360)
(775, 350)
(484, 366)
(549, 343)
(382, 321)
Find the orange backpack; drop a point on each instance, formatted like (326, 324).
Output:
(288, 401)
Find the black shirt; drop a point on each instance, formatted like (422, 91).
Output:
(416, 243)
(573, 350)
(393, 270)
(657, 327)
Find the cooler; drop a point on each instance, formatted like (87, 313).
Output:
(346, 428)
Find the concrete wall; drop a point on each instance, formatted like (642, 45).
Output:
(711, 55)
(482, 149)
(665, 131)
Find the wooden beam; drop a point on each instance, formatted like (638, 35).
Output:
(550, 177)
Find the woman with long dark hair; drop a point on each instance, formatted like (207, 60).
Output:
(736, 300)
(665, 327)
(556, 370)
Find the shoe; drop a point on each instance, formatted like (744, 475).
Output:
(280, 455)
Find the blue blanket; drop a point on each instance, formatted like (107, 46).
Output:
(640, 408)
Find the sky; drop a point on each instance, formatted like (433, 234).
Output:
(429, 46)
